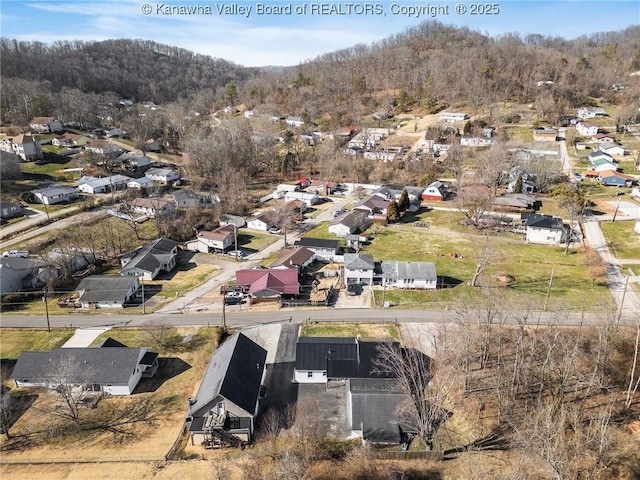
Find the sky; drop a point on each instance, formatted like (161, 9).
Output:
(288, 32)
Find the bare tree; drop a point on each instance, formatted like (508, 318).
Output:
(634, 377)
(456, 164)
(474, 205)
(486, 254)
(572, 201)
(69, 377)
(493, 167)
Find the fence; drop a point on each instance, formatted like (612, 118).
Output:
(391, 455)
(179, 444)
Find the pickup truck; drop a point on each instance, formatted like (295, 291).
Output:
(16, 253)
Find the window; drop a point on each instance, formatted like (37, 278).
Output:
(309, 374)
(324, 374)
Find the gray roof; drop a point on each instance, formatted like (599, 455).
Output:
(150, 256)
(55, 190)
(353, 219)
(105, 288)
(359, 261)
(376, 404)
(537, 220)
(99, 365)
(416, 270)
(234, 372)
(313, 243)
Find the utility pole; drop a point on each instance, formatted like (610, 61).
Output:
(624, 294)
(235, 239)
(546, 300)
(617, 205)
(46, 307)
(224, 314)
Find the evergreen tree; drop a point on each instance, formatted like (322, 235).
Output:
(403, 201)
(518, 186)
(393, 211)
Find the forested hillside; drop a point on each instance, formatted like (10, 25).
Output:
(137, 69)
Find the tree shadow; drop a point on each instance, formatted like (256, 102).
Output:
(168, 368)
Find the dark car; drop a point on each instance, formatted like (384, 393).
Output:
(354, 289)
(229, 300)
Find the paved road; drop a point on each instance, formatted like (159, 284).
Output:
(247, 319)
(624, 296)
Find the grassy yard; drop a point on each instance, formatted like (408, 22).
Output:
(520, 134)
(18, 340)
(183, 278)
(454, 254)
(254, 241)
(365, 330)
(320, 231)
(624, 242)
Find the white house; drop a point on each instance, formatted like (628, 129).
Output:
(476, 142)
(139, 183)
(543, 229)
(94, 185)
(27, 147)
(150, 259)
(294, 122)
(107, 291)
(214, 241)
(354, 221)
(308, 198)
(151, 206)
(162, 175)
(132, 161)
(263, 221)
(45, 125)
(409, 275)
(591, 112)
(611, 148)
(55, 194)
(359, 268)
(102, 147)
(451, 117)
(587, 129)
(435, 192)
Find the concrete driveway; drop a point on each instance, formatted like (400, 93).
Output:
(83, 337)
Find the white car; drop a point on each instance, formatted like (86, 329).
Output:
(16, 253)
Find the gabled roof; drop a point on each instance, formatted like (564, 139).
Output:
(105, 288)
(218, 234)
(160, 172)
(265, 217)
(149, 203)
(536, 220)
(150, 256)
(283, 281)
(613, 173)
(99, 365)
(234, 372)
(55, 190)
(416, 270)
(358, 261)
(109, 343)
(354, 218)
(310, 243)
(340, 357)
(373, 202)
(42, 120)
(293, 257)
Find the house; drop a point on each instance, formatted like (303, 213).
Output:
(476, 142)
(602, 164)
(359, 268)
(27, 147)
(435, 192)
(591, 112)
(394, 192)
(140, 183)
(70, 140)
(45, 125)
(214, 241)
(587, 129)
(282, 281)
(409, 275)
(294, 258)
(263, 221)
(288, 187)
(13, 273)
(323, 249)
(131, 161)
(611, 178)
(225, 408)
(151, 207)
(228, 219)
(294, 122)
(451, 117)
(110, 370)
(295, 207)
(308, 198)
(601, 138)
(102, 147)
(321, 187)
(107, 291)
(94, 185)
(545, 135)
(514, 202)
(524, 177)
(599, 154)
(543, 229)
(374, 409)
(611, 148)
(10, 210)
(355, 221)
(373, 204)
(55, 194)
(148, 261)
(115, 133)
(321, 359)
(185, 198)
(163, 176)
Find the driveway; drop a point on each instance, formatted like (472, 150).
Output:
(83, 337)
(364, 300)
(629, 209)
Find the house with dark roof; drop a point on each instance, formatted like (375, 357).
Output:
(543, 229)
(355, 221)
(374, 204)
(228, 219)
(223, 411)
(409, 275)
(435, 192)
(323, 249)
(294, 258)
(262, 221)
(514, 202)
(282, 281)
(110, 368)
(150, 259)
(107, 291)
(10, 210)
(162, 176)
(215, 241)
(45, 125)
(375, 409)
(152, 207)
(14, 272)
(185, 198)
(320, 359)
(359, 268)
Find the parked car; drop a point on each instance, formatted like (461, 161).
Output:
(258, 267)
(275, 231)
(339, 212)
(232, 253)
(354, 289)
(232, 300)
(16, 253)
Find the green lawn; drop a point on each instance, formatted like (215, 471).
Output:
(365, 330)
(18, 340)
(255, 241)
(624, 242)
(320, 231)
